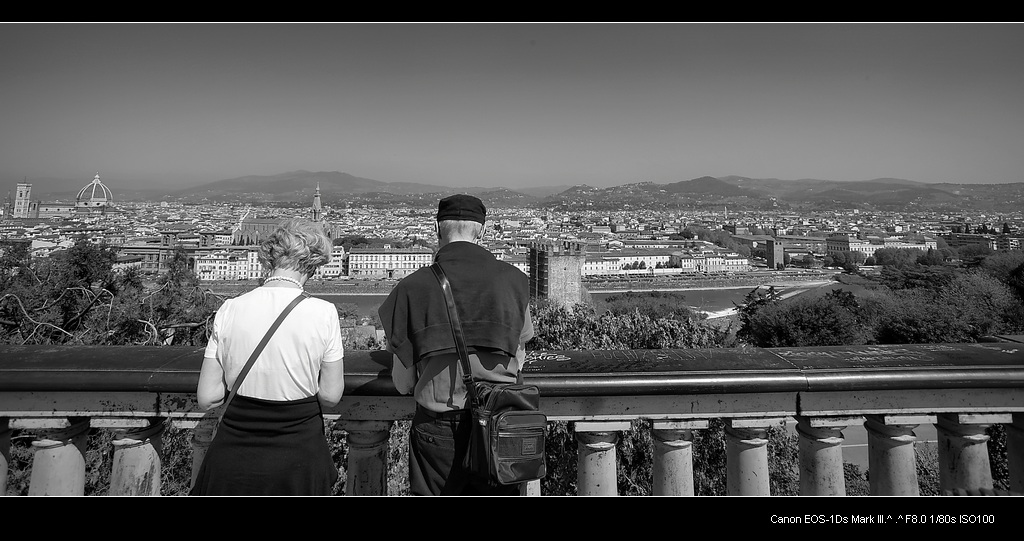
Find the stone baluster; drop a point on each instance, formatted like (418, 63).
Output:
(136, 466)
(597, 473)
(892, 460)
(673, 456)
(963, 450)
(5, 452)
(367, 456)
(58, 462)
(821, 455)
(746, 443)
(1015, 453)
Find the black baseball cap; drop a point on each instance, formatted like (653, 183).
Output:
(461, 207)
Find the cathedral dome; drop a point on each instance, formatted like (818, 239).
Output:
(94, 194)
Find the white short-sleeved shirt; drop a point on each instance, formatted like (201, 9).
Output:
(289, 367)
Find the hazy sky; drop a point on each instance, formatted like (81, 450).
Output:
(516, 105)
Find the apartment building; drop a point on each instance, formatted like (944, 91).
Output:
(707, 262)
(226, 265)
(387, 262)
(844, 242)
(333, 269)
(956, 240)
(1010, 242)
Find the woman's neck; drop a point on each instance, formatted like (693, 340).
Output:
(286, 278)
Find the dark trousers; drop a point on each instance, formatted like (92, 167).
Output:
(437, 445)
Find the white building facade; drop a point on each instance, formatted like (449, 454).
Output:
(387, 262)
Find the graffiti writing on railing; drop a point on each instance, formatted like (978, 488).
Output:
(867, 354)
(544, 356)
(621, 360)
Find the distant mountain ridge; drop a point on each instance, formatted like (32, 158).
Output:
(736, 191)
(707, 185)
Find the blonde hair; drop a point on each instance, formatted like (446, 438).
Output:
(297, 244)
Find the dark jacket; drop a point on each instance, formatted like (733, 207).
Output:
(491, 296)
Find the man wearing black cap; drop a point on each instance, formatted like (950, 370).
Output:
(492, 299)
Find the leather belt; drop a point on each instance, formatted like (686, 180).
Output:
(449, 415)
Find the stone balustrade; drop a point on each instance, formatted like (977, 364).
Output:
(59, 393)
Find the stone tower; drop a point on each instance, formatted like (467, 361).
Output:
(22, 200)
(775, 254)
(318, 209)
(556, 272)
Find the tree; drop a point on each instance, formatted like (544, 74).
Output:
(55, 299)
(180, 311)
(974, 251)
(849, 261)
(982, 305)
(75, 296)
(352, 241)
(931, 257)
(653, 304)
(1001, 265)
(897, 257)
(916, 276)
(806, 320)
(14, 258)
(811, 262)
(753, 302)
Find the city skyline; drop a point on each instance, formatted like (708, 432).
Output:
(517, 105)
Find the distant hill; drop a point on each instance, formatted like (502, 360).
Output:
(734, 191)
(706, 185)
(292, 182)
(543, 191)
(880, 191)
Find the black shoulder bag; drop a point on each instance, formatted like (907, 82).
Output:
(506, 443)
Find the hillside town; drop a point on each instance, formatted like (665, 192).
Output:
(373, 243)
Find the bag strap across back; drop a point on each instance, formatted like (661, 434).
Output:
(456, 324)
(259, 348)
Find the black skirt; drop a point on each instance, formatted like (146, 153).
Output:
(268, 448)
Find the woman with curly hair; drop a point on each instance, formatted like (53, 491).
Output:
(271, 438)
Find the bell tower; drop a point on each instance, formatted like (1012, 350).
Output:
(318, 212)
(22, 200)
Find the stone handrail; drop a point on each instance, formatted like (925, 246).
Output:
(59, 392)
